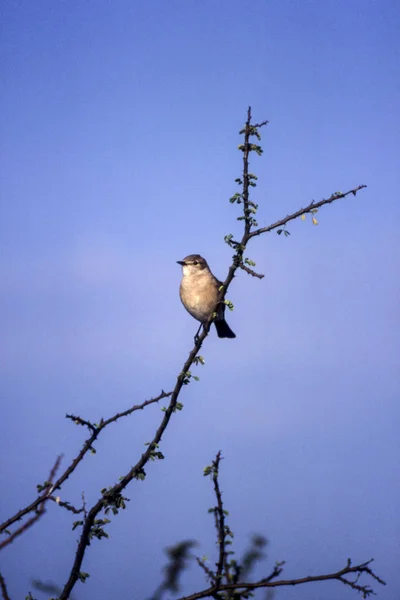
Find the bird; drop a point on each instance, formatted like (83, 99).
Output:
(199, 291)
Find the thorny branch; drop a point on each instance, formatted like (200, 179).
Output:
(66, 505)
(307, 209)
(49, 488)
(222, 530)
(230, 580)
(340, 575)
(3, 588)
(250, 271)
(183, 378)
(111, 495)
(136, 472)
(87, 446)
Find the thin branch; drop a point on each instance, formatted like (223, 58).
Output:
(87, 446)
(3, 588)
(267, 583)
(277, 570)
(66, 505)
(259, 125)
(135, 472)
(79, 421)
(250, 271)
(246, 151)
(84, 505)
(222, 567)
(40, 511)
(248, 207)
(307, 209)
(209, 572)
(184, 376)
(235, 588)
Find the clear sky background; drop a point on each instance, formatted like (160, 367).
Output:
(119, 135)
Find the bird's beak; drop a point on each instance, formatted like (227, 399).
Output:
(181, 262)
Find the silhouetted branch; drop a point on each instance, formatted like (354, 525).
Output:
(340, 575)
(222, 530)
(209, 573)
(227, 581)
(111, 498)
(49, 487)
(257, 125)
(66, 505)
(251, 272)
(87, 446)
(307, 209)
(136, 472)
(3, 588)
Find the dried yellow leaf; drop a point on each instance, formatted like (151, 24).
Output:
(314, 220)
(303, 217)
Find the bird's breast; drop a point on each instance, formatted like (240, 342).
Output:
(199, 295)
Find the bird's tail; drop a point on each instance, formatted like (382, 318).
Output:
(223, 329)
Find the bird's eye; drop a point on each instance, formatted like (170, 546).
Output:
(195, 262)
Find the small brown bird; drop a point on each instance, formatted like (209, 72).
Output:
(199, 292)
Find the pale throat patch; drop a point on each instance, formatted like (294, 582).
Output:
(190, 270)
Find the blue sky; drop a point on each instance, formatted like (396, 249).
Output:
(119, 152)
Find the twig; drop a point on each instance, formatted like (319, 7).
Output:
(84, 505)
(267, 583)
(183, 378)
(222, 567)
(259, 125)
(277, 570)
(87, 446)
(134, 472)
(307, 209)
(66, 505)
(40, 511)
(250, 271)
(3, 588)
(240, 247)
(138, 469)
(209, 572)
